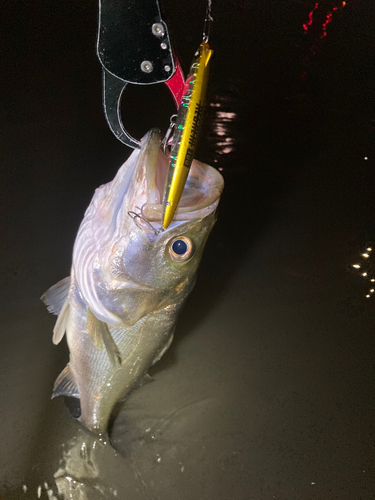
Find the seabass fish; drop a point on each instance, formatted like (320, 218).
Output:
(129, 279)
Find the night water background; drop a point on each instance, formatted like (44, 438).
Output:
(268, 389)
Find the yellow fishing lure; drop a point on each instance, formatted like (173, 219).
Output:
(187, 125)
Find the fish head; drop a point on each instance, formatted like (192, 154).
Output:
(124, 265)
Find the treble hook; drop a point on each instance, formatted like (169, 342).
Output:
(167, 141)
(142, 217)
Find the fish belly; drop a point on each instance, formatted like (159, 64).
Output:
(100, 383)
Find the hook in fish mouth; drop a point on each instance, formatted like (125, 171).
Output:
(141, 216)
(200, 195)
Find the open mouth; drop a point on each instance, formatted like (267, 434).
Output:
(201, 192)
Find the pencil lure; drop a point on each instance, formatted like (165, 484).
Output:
(186, 130)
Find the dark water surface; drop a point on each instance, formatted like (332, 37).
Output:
(268, 391)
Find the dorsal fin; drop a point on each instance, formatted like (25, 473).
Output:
(55, 296)
(65, 385)
(100, 334)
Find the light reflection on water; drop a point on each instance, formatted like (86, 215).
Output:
(223, 121)
(364, 268)
(82, 472)
(78, 475)
(225, 146)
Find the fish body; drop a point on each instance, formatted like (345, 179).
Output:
(129, 279)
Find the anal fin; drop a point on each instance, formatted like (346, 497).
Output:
(146, 379)
(164, 350)
(65, 385)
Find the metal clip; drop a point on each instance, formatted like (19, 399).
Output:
(133, 47)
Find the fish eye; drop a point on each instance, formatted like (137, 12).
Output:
(180, 249)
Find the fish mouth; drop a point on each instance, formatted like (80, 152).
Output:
(201, 193)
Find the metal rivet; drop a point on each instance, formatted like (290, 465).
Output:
(146, 66)
(163, 45)
(167, 68)
(157, 29)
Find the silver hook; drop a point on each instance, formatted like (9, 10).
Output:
(142, 217)
(167, 141)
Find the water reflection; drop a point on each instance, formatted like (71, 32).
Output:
(365, 268)
(225, 144)
(223, 120)
(156, 438)
(77, 477)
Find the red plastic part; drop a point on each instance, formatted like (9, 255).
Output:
(176, 84)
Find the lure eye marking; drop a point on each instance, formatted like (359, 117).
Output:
(180, 249)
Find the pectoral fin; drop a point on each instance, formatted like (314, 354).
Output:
(65, 385)
(112, 349)
(61, 323)
(94, 329)
(100, 334)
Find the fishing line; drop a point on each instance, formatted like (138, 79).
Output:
(208, 21)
